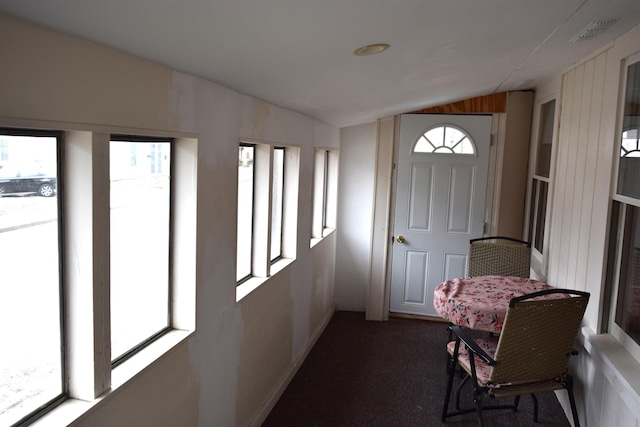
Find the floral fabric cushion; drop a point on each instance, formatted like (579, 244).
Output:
(483, 371)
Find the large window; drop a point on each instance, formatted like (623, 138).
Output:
(31, 359)
(325, 193)
(267, 208)
(624, 270)
(140, 236)
(95, 264)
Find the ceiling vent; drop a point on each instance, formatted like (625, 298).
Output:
(592, 30)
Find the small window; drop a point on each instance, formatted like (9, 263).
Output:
(31, 304)
(277, 201)
(540, 179)
(140, 191)
(325, 183)
(445, 139)
(267, 210)
(246, 155)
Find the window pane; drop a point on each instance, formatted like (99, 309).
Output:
(30, 296)
(541, 215)
(444, 140)
(545, 140)
(319, 184)
(276, 203)
(245, 210)
(532, 209)
(628, 306)
(140, 230)
(629, 166)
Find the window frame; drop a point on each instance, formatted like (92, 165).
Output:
(245, 277)
(151, 338)
(618, 208)
(325, 194)
(262, 265)
(273, 259)
(64, 389)
(83, 176)
(540, 259)
(444, 148)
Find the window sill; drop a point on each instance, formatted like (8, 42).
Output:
(617, 364)
(326, 232)
(245, 288)
(72, 409)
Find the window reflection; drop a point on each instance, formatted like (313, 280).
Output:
(628, 307)
(629, 167)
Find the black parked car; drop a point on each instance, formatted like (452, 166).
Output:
(26, 181)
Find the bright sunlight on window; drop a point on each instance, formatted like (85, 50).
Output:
(444, 139)
(31, 366)
(140, 241)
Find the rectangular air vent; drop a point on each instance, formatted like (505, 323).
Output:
(592, 30)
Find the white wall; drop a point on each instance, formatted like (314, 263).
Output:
(232, 368)
(355, 216)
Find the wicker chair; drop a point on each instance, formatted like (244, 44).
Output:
(500, 256)
(531, 355)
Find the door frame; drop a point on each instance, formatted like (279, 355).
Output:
(387, 144)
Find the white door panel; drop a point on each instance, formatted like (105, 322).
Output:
(439, 207)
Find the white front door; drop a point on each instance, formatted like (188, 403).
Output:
(440, 199)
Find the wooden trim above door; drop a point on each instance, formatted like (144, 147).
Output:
(494, 103)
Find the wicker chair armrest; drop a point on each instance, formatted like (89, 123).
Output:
(514, 301)
(471, 345)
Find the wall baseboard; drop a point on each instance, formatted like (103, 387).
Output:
(277, 392)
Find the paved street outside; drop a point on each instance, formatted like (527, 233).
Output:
(17, 212)
(29, 321)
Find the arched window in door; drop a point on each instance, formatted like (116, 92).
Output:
(445, 139)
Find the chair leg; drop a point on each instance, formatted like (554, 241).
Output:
(572, 401)
(535, 408)
(516, 402)
(462, 383)
(478, 401)
(451, 371)
(449, 340)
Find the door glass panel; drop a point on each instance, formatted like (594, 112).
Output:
(444, 139)
(31, 370)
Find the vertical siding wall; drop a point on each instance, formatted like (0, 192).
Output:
(607, 377)
(583, 159)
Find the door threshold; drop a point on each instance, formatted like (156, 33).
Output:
(405, 316)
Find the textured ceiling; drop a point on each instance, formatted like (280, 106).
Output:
(298, 54)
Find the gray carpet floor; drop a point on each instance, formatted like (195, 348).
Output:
(365, 373)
